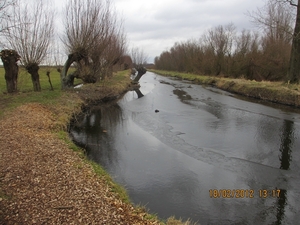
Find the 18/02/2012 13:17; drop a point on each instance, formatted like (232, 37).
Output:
(243, 193)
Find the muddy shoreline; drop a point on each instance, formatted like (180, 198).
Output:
(275, 92)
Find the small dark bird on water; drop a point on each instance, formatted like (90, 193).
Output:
(156, 110)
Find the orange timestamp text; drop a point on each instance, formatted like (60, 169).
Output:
(243, 193)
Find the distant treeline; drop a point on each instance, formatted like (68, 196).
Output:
(261, 55)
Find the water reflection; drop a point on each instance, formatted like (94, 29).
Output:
(139, 93)
(281, 204)
(94, 132)
(287, 141)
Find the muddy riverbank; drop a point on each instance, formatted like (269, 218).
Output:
(276, 92)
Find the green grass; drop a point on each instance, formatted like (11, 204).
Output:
(26, 94)
(25, 83)
(47, 97)
(119, 82)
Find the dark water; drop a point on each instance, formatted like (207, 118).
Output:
(201, 139)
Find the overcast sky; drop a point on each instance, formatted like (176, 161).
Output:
(156, 25)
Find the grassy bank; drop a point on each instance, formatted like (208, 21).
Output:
(277, 92)
(65, 104)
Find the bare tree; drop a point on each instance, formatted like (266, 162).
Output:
(125, 62)
(246, 54)
(31, 40)
(276, 20)
(113, 53)
(139, 59)
(82, 31)
(94, 40)
(220, 39)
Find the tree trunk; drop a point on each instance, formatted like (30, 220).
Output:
(49, 79)
(66, 80)
(141, 71)
(33, 70)
(69, 81)
(294, 68)
(9, 59)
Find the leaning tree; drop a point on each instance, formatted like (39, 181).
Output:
(139, 59)
(93, 38)
(30, 34)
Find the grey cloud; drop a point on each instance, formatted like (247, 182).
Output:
(182, 20)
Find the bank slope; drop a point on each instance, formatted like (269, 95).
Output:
(276, 92)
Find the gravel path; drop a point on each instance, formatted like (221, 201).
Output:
(42, 181)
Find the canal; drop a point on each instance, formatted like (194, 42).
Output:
(197, 152)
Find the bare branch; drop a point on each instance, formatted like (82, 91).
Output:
(30, 34)
(138, 56)
(6, 7)
(292, 3)
(275, 19)
(32, 38)
(95, 36)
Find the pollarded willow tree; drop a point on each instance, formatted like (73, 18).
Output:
(94, 40)
(30, 33)
(9, 57)
(139, 59)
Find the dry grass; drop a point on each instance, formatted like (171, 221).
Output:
(106, 90)
(174, 221)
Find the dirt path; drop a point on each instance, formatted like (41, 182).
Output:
(42, 181)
